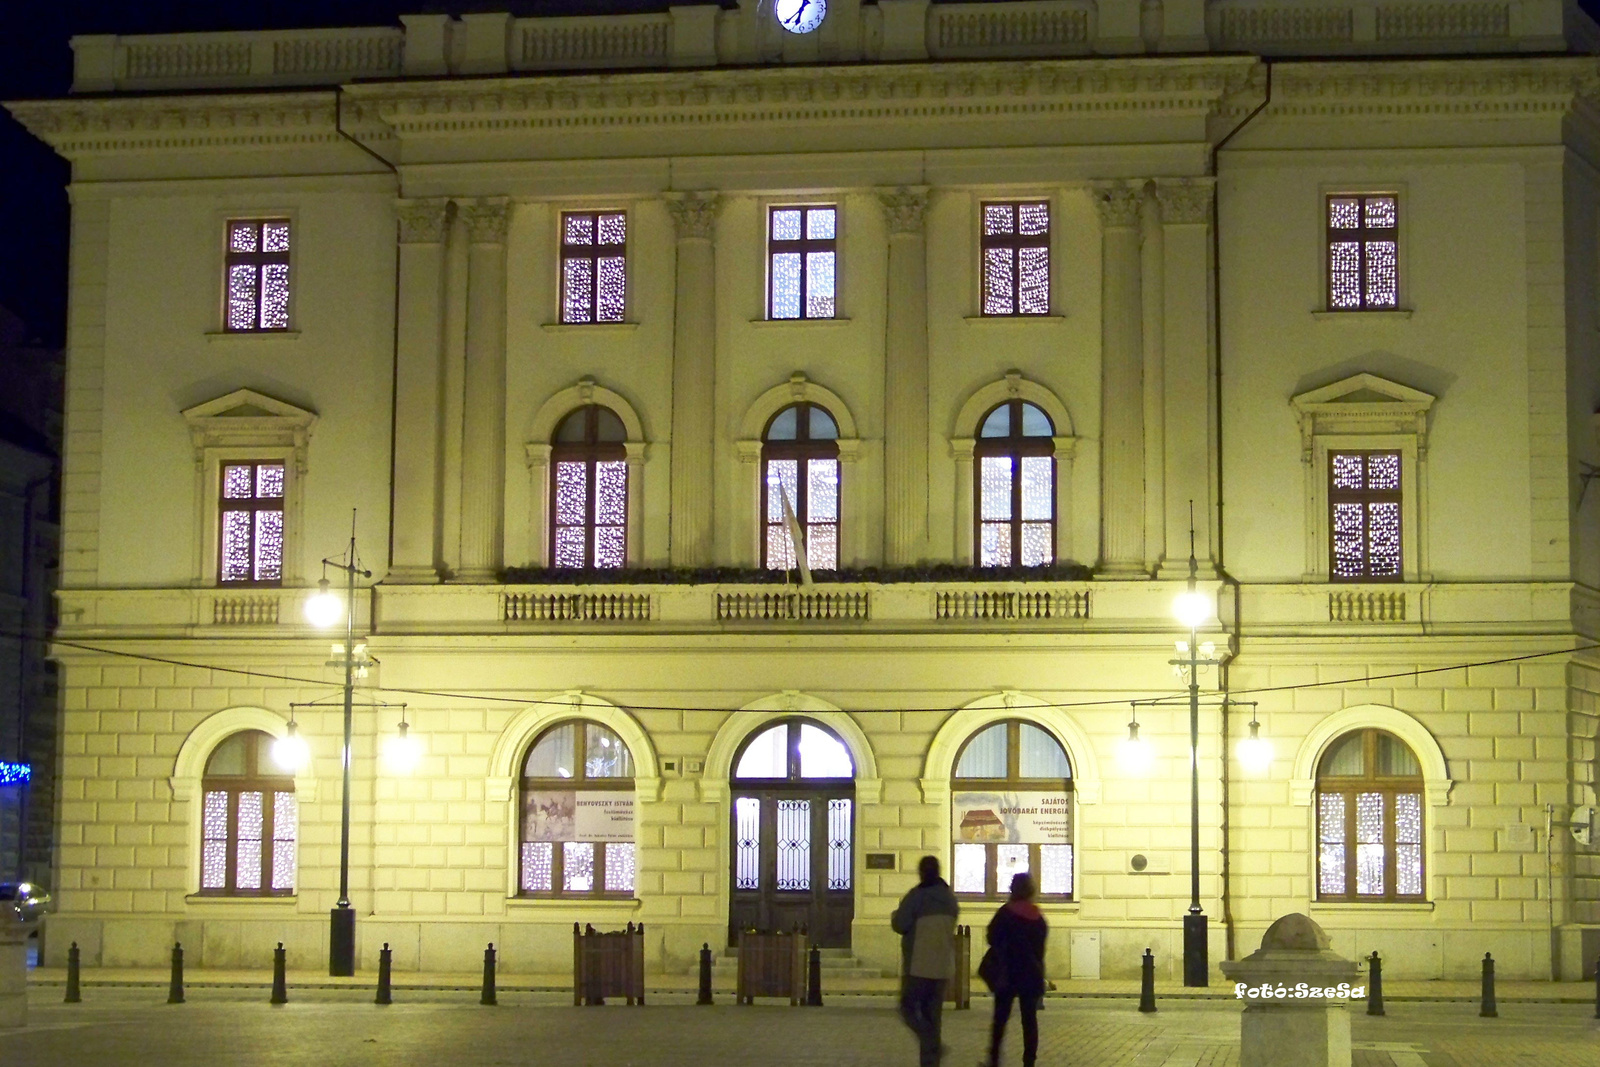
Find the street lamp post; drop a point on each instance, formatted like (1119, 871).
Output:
(320, 609)
(1192, 609)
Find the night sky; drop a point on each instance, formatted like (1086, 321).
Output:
(35, 61)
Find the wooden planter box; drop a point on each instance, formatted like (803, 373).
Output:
(607, 964)
(772, 965)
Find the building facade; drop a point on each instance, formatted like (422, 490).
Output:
(1023, 317)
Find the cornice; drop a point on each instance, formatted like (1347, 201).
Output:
(101, 124)
(1422, 88)
(790, 95)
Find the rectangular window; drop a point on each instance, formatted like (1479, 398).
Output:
(1369, 845)
(802, 260)
(257, 275)
(594, 266)
(251, 524)
(1016, 258)
(1363, 253)
(1364, 516)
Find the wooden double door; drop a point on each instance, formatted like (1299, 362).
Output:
(793, 860)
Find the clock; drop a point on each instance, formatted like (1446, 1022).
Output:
(800, 16)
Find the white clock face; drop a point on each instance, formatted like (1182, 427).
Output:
(800, 16)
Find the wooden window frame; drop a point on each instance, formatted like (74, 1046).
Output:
(801, 449)
(1013, 783)
(593, 252)
(803, 245)
(590, 451)
(253, 505)
(1362, 235)
(252, 781)
(1389, 787)
(258, 260)
(1365, 497)
(580, 780)
(1016, 446)
(1014, 242)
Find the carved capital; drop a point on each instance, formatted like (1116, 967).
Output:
(694, 215)
(904, 208)
(422, 221)
(1119, 203)
(1185, 200)
(487, 218)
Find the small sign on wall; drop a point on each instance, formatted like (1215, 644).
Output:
(880, 861)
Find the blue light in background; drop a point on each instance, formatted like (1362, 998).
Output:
(14, 773)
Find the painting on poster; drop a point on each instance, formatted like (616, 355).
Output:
(1033, 818)
(569, 815)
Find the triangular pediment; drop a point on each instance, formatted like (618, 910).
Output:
(248, 404)
(1365, 389)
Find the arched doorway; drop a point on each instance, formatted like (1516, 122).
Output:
(793, 855)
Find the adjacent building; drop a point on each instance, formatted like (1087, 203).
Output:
(1023, 318)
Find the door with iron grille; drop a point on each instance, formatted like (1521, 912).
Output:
(793, 834)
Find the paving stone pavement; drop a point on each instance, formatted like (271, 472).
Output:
(336, 1028)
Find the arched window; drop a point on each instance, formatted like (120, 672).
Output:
(1011, 811)
(1369, 819)
(589, 491)
(577, 813)
(1016, 487)
(800, 453)
(248, 819)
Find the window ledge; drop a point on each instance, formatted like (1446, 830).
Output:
(206, 900)
(588, 904)
(1337, 907)
(252, 335)
(999, 320)
(800, 322)
(589, 327)
(1331, 316)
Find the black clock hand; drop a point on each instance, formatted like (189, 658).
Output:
(799, 11)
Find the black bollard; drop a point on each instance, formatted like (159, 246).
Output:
(1488, 1011)
(814, 978)
(1147, 982)
(175, 990)
(385, 965)
(72, 976)
(1374, 984)
(280, 976)
(705, 975)
(1597, 987)
(488, 997)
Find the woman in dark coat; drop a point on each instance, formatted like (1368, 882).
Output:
(1017, 934)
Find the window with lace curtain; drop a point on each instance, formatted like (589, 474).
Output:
(800, 461)
(577, 824)
(589, 490)
(1015, 467)
(1011, 798)
(248, 820)
(1369, 820)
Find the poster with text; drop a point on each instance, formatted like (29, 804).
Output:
(573, 815)
(1032, 818)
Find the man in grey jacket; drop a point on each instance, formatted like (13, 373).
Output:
(926, 923)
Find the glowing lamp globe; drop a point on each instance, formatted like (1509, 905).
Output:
(402, 753)
(1255, 751)
(1192, 608)
(290, 752)
(1134, 754)
(324, 609)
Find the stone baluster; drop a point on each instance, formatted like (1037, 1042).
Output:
(1122, 389)
(483, 417)
(694, 339)
(1190, 402)
(905, 416)
(419, 350)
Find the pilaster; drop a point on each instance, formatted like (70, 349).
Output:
(694, 341)
(1188, 409)
(1122, 387)
(419, 354)
(483, 421)
(905, 391)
